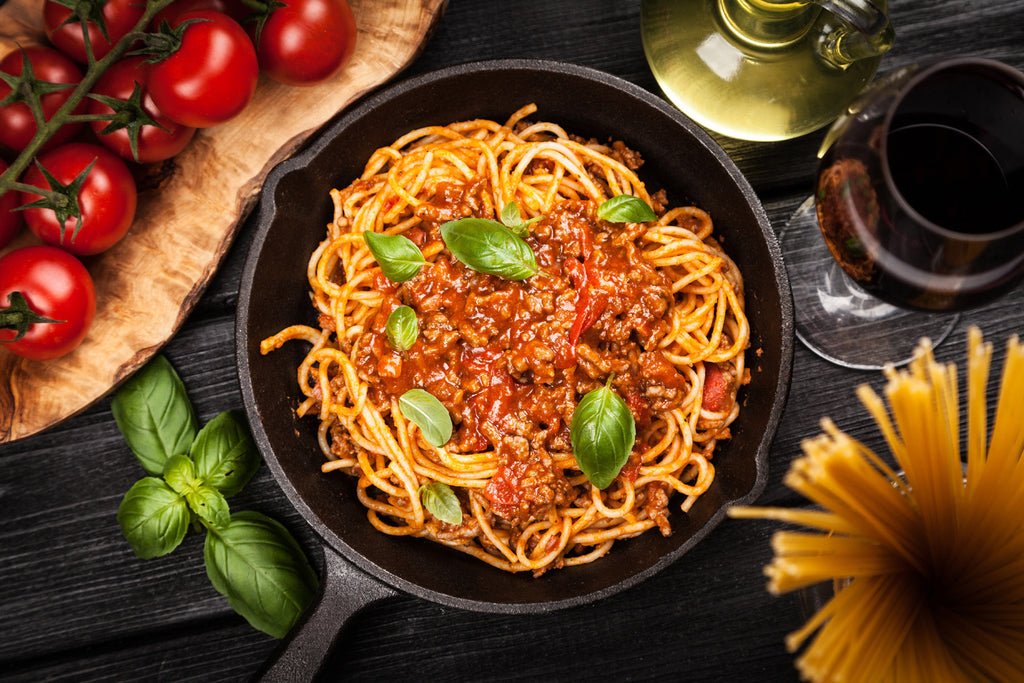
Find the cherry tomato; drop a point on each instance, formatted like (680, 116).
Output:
(106, 200)
(10, 220)
(155, 143)
(306, 41)
(119, 16)
(17, 125)
(211, 77)
(235, 9)
(55, 285)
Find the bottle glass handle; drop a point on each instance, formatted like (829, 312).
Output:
(872, 33)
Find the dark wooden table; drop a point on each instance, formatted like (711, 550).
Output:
(75, 604)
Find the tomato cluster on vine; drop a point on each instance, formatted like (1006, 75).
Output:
(123, 83)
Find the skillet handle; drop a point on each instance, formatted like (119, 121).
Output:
(344, 591)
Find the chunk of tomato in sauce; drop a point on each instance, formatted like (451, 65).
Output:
(716, 387)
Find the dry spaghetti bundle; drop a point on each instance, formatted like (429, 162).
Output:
(652, 309)
(929, 560)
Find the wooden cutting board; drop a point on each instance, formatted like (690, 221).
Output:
(149, 282)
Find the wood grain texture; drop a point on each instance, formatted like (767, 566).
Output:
(189, 212)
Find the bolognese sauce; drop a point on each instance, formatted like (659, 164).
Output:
(651, 310)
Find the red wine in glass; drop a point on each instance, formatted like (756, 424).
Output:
(920, 198)
(921, 201)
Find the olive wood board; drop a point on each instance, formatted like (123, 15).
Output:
(190, 209)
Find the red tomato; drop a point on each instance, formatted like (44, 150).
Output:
(235, 9)
(306, 41)
(119, 16)
(155, 143)
(212, 75)
(17, 125)
(106, 200)
(10, 220)
(56, 286)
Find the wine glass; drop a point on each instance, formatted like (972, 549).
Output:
(920, 201)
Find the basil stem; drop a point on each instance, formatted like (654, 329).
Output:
(602, 432)
(441, 501)
(398, 257)
(489, 247)
(625, 208)
(402, 328)
(429, 414)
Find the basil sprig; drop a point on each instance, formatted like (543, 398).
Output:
(398, 257)
(429, 414)
(602, 432)
(402, 328)
(441, 501)
(489, 247)
(513, 220)
(250, 559)
(625, 208)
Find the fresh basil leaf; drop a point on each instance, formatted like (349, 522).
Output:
(513, 220)
(225, 454)
(510, 215)
(180, 473)
(153, 518)
(625, 208)
(154, 414)
(262, 571)
(602, 432)
(489, 247)
(210, 505)
(398, 257)
(441, 501)
(429, 414)
(402, 328)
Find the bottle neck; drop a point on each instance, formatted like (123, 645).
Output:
(768, 24)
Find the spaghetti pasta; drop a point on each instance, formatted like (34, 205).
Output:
(654, 310)
(929, 561)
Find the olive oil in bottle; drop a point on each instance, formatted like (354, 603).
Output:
(763, 69)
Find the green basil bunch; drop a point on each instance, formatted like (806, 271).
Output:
(250, 558)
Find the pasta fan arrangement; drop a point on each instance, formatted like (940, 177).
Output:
(928, 561)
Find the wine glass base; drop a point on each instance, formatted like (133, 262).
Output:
(840, 321)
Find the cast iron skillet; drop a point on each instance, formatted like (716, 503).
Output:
(364, 565)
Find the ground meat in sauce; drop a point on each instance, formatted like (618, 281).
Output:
(510, 360)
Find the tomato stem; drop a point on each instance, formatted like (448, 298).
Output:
(95, 69)
(164, 42)
(261, 11)
(18, 316)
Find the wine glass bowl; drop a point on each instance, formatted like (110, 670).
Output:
(920, 196)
